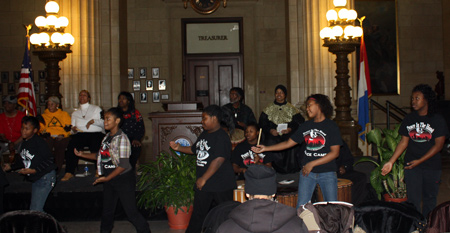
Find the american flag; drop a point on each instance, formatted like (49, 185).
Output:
(26, 97)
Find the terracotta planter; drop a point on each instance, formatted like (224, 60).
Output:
(179, 220)
(397, 200)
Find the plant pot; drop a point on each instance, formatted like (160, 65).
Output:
(179, 220)
(397, 200)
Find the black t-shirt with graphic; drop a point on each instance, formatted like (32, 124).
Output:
(107, 164)
(243, 155)
(422, 132)
(208, 147)
(318, 138)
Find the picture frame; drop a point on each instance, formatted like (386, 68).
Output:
(156, 96)
(136, 85)
(11, 88)
(130, 73)
(143, 96)
(42, 99)
(38, 110)
(16, 75)
(42, 75)
(380, 35)
(36, 87)
(162, 85)
(149, 85)
(5, 76)
(155, 72)
(132, 94)
(142, 72)
(164, 96)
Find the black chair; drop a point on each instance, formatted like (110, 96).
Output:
(29, 221)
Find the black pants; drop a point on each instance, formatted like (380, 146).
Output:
(79, 141)
(123, 188)
(202, 205)
(135, 153)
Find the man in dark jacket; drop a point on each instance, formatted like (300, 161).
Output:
(260, 213)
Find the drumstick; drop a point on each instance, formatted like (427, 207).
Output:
(259, 137)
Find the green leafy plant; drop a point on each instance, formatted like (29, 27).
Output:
(386, 141)
(168, 181)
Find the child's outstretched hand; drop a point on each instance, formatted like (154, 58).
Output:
(259, 149)
(174, 145)
(100, 180)
(77, 152)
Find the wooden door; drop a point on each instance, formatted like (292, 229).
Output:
(209, 79)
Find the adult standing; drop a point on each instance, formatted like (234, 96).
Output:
(423, 135)
(87, 129)
(133, 125)
(279, 120)
(242, 114)
(10, 124)
(56, 121)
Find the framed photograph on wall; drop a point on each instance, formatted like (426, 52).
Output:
(142, 72)
(42, 75)
(136, 85)
(16, 76)
(130, 73)
(149, 85)
(11, 88)
(5, 76)
(162, 85)
(132, 94)
(42, 100)
(38, 110)
(156, 97)
(155, 72)
(36, 87)
(380, 36)
(143, 97)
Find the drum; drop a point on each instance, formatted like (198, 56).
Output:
(287, 196)
(344, 191)
(237, 137)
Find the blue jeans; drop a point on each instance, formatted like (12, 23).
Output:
(40, 190)
(422, 186)
(307, 184)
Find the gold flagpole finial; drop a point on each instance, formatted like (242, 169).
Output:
(28, 27)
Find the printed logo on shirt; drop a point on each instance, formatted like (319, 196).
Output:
(420, 132)
(249, 158)
(54, 123)
(202, 152)
(314, 139)
(104, 152)
(26, 158)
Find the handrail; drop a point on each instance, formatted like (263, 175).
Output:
(398, 109)
(387, 110)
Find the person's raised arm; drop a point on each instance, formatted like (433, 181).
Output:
(78, 153)
(277, 147)
(183, 149)
(438, 144)
(398, 151)
(213, 167)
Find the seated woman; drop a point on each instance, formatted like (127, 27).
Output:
(56, 129)
(10, 124)
(87, 129)
(243, 156)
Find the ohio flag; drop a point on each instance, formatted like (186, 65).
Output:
(364, 91)
(26, 96)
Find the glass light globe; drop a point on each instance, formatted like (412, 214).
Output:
(44, 38)
(343, 13)
(337, 31)
(357, 31)
(52, 7)
(52, 20)
(57, 38)
(339, 3)
(326, 32)
(348, 31)
(40, 21)
(352, 15)
(34, 38)
(68, 39)
(332, 15)
(62, 22)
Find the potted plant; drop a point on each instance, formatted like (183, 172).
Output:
(168, 182)
(392, 184)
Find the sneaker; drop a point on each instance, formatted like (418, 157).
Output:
(67, 177)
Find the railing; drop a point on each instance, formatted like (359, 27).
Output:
(388, 110)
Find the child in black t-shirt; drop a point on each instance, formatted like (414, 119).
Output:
(118, 177)
(36, 162)
(322, 140)
(243, 156)
(423, 135)
(215, 177)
